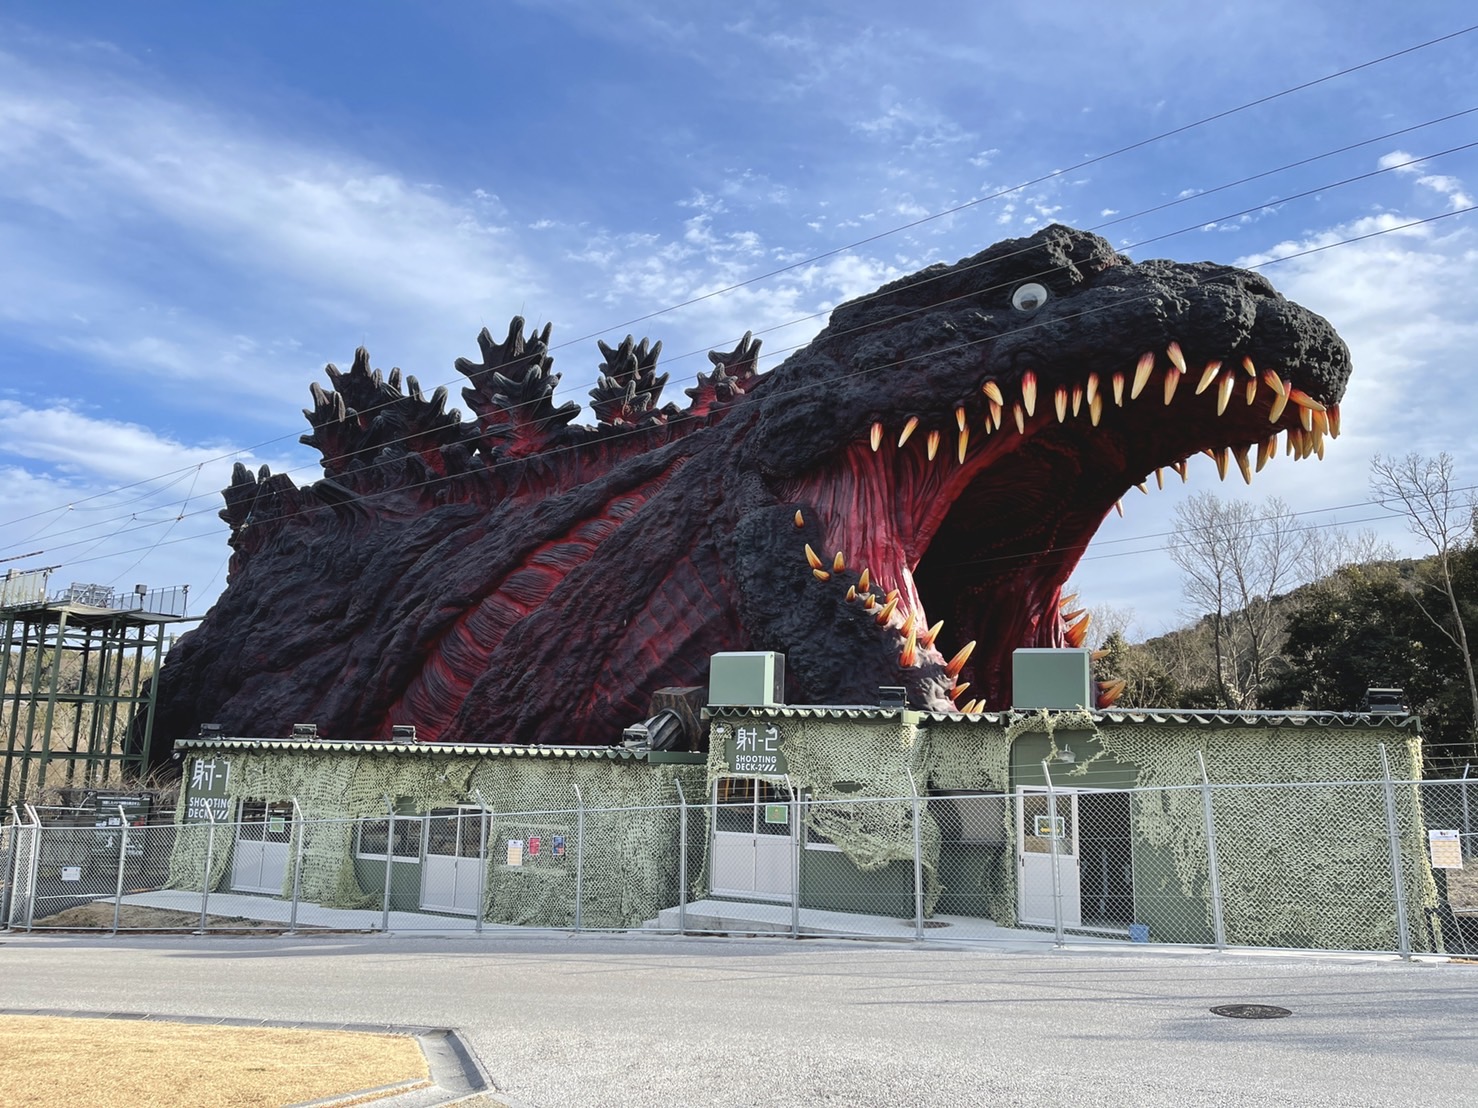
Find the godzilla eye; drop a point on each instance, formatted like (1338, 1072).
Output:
(1029, 297)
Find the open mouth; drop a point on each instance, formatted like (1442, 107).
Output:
(954, 532)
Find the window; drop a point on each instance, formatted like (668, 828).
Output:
(373, 834)
(454, 832)
(751, 806)
(266, 821)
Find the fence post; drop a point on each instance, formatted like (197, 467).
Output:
(302, 827)
(210, 851)
(7, 876)
(918, 862)
(1467, 824)
(482, 857)
(682, 859)
(579, 858)
(389, 864)
(1398, 876)
(34, 865)
(795, 860)
(1218, 919)
(122, 864)
(1057, 928)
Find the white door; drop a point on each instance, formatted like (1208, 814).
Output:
(1040, 833)
(259, 861)
(753, 840)
(454, 842)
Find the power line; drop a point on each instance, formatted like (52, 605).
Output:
(1326, 187)
(1287, 257)
(1082, 164)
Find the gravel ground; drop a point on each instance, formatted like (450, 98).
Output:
(575, 1021)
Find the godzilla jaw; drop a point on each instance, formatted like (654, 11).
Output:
(979, 517)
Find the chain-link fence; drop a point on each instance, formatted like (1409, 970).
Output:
(1378, 865)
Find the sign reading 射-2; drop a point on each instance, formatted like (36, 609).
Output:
(205, 795)
(755, 748)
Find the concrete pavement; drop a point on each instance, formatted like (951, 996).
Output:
(634, 1021)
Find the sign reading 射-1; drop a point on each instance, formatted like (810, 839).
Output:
(205, 792)
(755, 748)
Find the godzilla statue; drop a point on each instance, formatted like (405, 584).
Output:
(947, 445)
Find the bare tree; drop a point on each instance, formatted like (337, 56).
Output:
(1237, 559)
(1330, 549)
(1421, 488)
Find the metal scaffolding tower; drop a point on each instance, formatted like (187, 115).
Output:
(76, 704)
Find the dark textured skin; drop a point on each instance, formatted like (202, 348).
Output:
(518, 577)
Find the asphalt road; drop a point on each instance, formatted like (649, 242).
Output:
(574, 1022)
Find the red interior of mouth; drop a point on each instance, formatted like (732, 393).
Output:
(986, 545)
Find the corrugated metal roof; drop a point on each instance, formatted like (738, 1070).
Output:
(1209, 718)
(427, 749)
(797, 711)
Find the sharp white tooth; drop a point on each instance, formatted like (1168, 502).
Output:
(1176, 357)
(1224, 393)
(995, 414)
(908, 429)
(1181, 468)
(1142, 374)
(1142, 487)
(993, 392)
(1077, 399)
(1248, 366)
(1222, 462)
(1095, 410)
(1160, 476)
(964, 443)
(1020, 418)
(1251, 390)
(1280, 401)
(877, 436)
(1119, 507)
(960, 416)
(1240, 453)
(1029, 392)
(1092, 390)
(1059, 401)
(1207, 376)
(933, 447)
(1172, 379)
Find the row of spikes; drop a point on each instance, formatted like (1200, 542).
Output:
(884, 608)
(1313, 415)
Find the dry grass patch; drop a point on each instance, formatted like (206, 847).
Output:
(98, 916)
(48, 1062)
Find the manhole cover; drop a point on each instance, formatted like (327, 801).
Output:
(1251, 1011)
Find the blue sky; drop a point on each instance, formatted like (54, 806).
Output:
(201, 205)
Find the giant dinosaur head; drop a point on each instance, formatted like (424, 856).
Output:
(944, 450)
(961, 434)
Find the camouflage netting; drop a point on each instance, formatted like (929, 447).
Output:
(841, 754)
(629, 862)
(1300, 866)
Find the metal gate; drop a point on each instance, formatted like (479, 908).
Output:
(753, 839)
(454, 860)
(1042, 837)
(259, 861)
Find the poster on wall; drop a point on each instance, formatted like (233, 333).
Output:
(534, 843)
(515, 852)
(557, 846)
(1446, 848)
